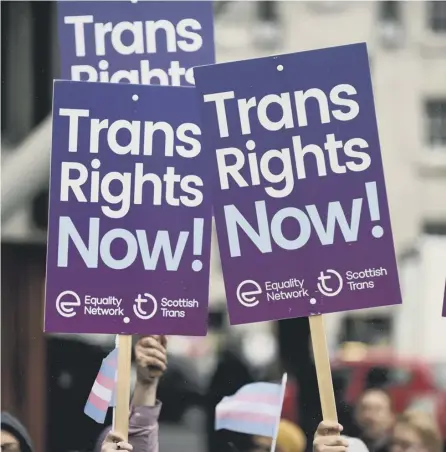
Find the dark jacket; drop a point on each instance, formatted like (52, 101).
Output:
(16, 428)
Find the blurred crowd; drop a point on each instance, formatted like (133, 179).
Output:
(372, 424)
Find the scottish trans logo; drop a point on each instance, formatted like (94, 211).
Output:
(330, 283)
(145, 308)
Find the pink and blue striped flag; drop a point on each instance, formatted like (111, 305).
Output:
(254, 409)
(102, 393)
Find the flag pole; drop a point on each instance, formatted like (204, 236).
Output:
(279, 414)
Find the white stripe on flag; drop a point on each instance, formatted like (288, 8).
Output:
(102, 392)
(235, 406)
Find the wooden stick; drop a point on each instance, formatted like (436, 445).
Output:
(122, 410)
(323, 370)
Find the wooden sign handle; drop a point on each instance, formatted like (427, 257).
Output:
(122, 410)
(323, 370)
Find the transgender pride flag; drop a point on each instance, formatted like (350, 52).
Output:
(102, 392)
(254, 409)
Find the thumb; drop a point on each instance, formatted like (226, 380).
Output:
(114, 437)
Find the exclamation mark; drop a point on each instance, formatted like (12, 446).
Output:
(197, 265)
(372, 198)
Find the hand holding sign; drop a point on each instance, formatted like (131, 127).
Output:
(115, 441)
(327, 438)
(151, 358)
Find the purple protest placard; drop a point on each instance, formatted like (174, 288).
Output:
(141, 42)
(298, 189)
(130, 217)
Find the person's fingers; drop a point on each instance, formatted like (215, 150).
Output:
(150, 353)
(150, 343)
(152, 362)
(147, 341)
(153, 350)
(333, 440)
(114, 437)
(330, 444)
(163, 341)
(124, 446)
(329, 428)
(325, 448)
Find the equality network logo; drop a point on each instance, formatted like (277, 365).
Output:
(67, 302)
(247, 292)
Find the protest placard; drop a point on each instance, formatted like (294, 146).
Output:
(130, 216)
(141, 42)
(138, 42)
(299, 194)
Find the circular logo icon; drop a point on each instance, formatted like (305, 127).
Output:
(248, 297)
(328, 290)
(140, 305)
(66, 302)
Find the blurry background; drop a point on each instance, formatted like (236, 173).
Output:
(46, 379)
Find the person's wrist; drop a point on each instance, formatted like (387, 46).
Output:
(145, 392)
(147, 382)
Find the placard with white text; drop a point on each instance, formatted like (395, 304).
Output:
(299, 194)
(130, 211)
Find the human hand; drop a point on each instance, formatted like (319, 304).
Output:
(151, 358)
(328, 439)
(115, 441)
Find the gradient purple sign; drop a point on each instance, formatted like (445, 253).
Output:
(130, 217)
(140, 42)
(299, 194)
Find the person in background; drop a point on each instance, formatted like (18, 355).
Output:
(375, 418)
(151, 363)
(15, 437)
(416, 431)
(114, 441)
(290, 438)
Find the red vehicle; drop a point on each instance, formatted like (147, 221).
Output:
(410, 383)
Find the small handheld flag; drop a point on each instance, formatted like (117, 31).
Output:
(254, 409)
(102, 392)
